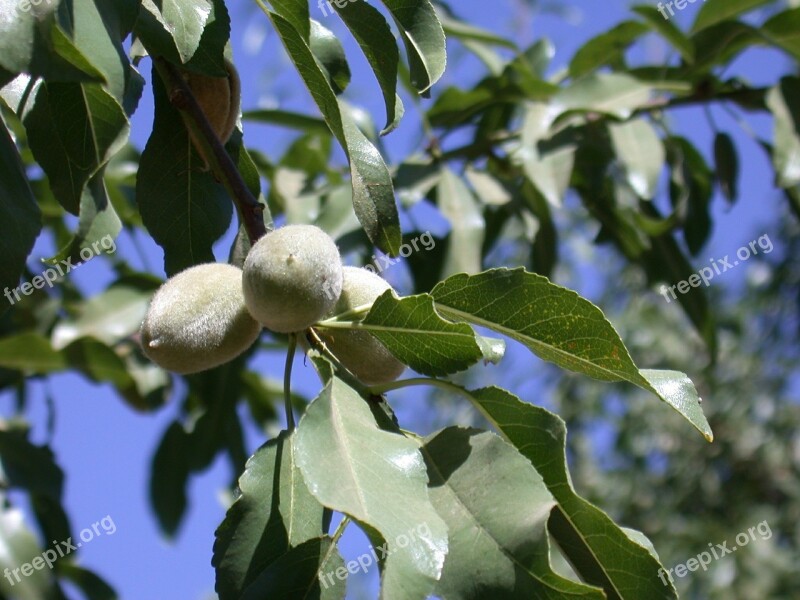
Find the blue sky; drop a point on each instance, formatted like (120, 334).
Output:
(105, 448)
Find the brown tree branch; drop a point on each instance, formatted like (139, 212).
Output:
(752, 98)
(251, 211)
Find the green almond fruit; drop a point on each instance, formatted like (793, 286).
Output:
(359, 351)
(198, 320)
(292, 277)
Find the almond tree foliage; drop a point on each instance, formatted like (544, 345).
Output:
(646, 475)
(530, 138)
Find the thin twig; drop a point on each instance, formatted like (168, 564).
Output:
(287, 382)
(251, 212)
(481, 147)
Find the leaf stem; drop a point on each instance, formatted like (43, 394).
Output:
(287, 382)
(391, 386)
(341, 371)
(250, 210)
(340, 528)
(347, 318)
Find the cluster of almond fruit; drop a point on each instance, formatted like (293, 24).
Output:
(292, 278)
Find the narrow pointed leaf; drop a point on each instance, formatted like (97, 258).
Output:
(641, 153)
(32, 41)
(30, 353)
(715, 11)
(424, 40)
(458, 205)
(73, 130)
(726, 161)
(615, 94)
(781, 30)
(273, 513)
(305, 571)
(606, 49)
(377, 42)
(505, 552)
(782, 100)
(414, 332)
(373, 195)
(173, 28)
(378, 478)
(330, 53)
(22, 218)
(98, 225)
(599, 550)
(183, 207)
(561, 327)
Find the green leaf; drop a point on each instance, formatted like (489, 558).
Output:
(97, 30)
(424, 40)
(783, 100)
(489, 190)
(378, 478)
(464, 31)
(691, 184)
(549, 171)
(28, 466)
(296, 13)
(306, 571)
(559, 326)
(414, 332)
(21, 546)
(493, 349)
(91, 584)
(606, 49)
(31, 467)
(31, 353)
(721, 43)
(598, 549)
(109, 317)
(34, 42)
(98, 225)
(458, 205)
(102, 364)
(173, 28)
(183, 207)
(169, 475)
(781, 30)
(330, 53)
(73, 130)
(615, 94)
(376, 40)
(415, 178)
(641, 153)
(22, 219)
(273, 513)
(726, 161)
(287, 118)
(505, 552)
(715, 11)
(373, 196)
(665, 261)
